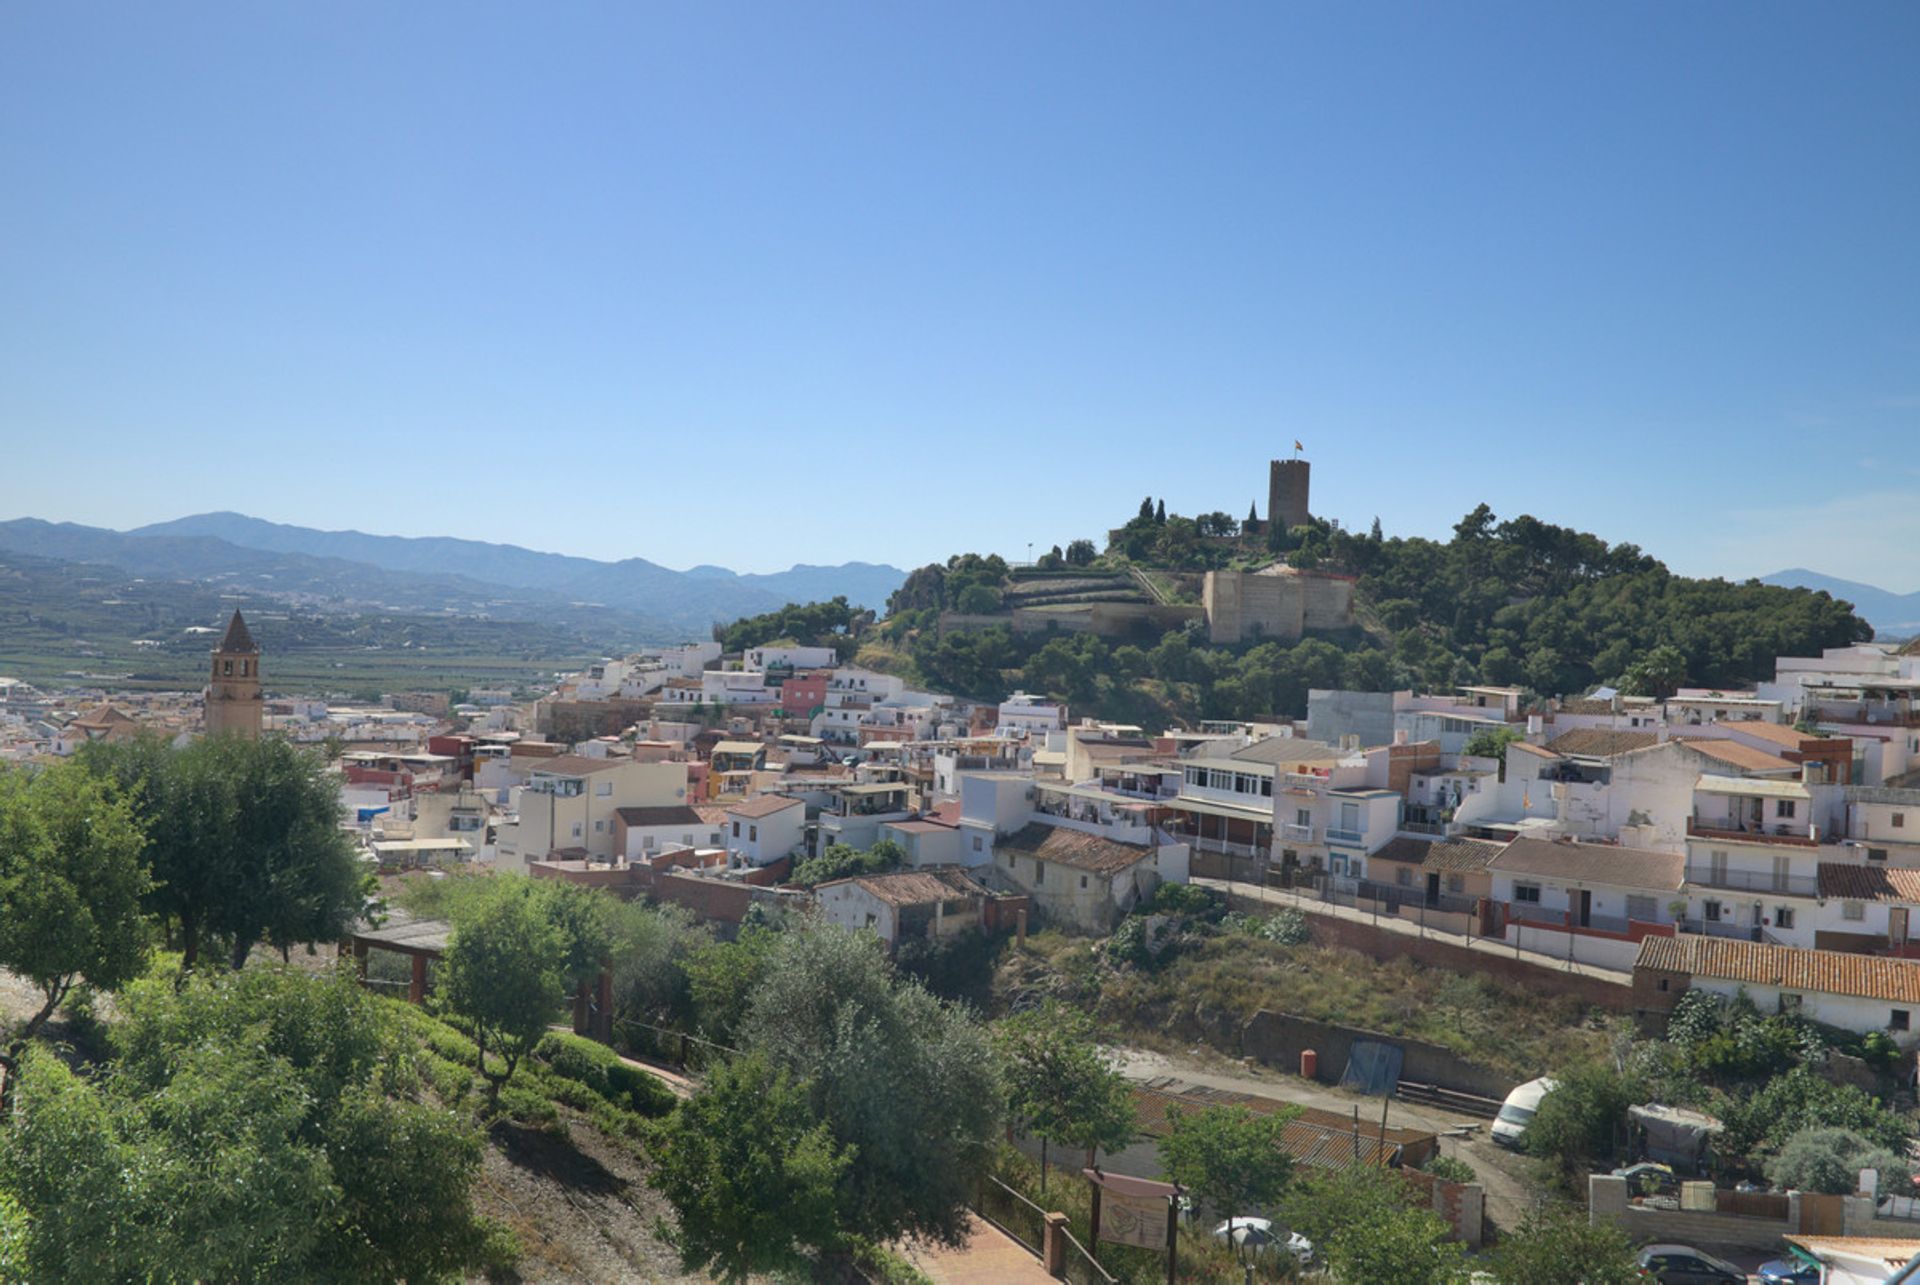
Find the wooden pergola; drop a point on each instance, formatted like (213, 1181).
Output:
(418, 939)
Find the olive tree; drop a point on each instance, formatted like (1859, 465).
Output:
(513, 957)
(71, 880)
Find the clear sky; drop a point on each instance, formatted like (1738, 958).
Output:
(753, 284)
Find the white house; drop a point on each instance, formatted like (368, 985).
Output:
(1083, 881)
(1596, 886)
(1857, 993)
(927, 905)
(1033, 716)
(765, 828)
(765, 658)
(570, 803)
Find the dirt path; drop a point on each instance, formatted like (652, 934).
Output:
(1508, 1178)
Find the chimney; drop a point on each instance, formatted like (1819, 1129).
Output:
(1536, 725)
(1400, 737)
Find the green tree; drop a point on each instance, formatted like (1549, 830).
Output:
(1080, 553)
(751, 1173)
(1491, 743)
(1581, 1123)
(1829, 1161)
(71, 880)
(1405, 1247)
(13, 1242)
(245, 840)
(843, 861)
(1553, 1247)
(259, 1125)
(1230, 1158)
(909, 1085)
(511, 962)
(1659, 673)
(723, 978)
(1060, 1083)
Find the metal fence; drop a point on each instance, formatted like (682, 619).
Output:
(1079, 1265)
(1012, 1213)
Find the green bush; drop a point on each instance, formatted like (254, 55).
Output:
(1829, 1161)
(600, 1069)
(1450, 1169)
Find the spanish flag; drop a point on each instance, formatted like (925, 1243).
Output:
(1297, 446)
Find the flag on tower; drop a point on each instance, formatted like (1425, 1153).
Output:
(1297, 446)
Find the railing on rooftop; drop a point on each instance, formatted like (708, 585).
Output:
(1732, 831)
(1754, 881)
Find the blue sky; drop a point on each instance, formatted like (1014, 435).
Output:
(751, 284)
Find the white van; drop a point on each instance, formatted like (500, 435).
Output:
(1510, 1126)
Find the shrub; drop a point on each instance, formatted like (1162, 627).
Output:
(599, 1068)
(1450, 1169)
(1829, 1161)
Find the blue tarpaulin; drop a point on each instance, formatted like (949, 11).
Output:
(1373, 1067)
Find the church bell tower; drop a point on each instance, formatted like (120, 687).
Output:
(233, 690)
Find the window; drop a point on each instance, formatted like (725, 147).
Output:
(1083, 881)
(1717, 866)
(872, 919)
(1853, 911)
(1456, 883)
(1645, 909)
(599, 827)
(1783, 808)
(243, 669)
(1898, 1020)
(226, 668)
(736, 829)
(603, 789)
(753, 834)
(976, 846)
(1266, 787)
(1783, 917)
(1039, 872)
(685, 838)
(1303, 816)
(1899, 820)
(576, 829)
(1663, 983)
(1710, 912)
(1403, 877)
(1527, 892)
(1876, 854)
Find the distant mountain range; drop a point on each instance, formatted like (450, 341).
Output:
(633, 598)
(1893, 615)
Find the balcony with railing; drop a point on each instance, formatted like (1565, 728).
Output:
(1735, 830)
(1898, 713)
(1340, 834)
(1292, 833)
(1304, 781)
(1782, 883)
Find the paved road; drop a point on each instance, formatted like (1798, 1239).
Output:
(1508, 1178)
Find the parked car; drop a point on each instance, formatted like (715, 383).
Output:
(1788, 1271)
(1649, 1178)
(1684, 1265)
(1516, 1113)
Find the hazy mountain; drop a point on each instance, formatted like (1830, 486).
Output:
(633, 584)
(1891, 614)
(324, 583)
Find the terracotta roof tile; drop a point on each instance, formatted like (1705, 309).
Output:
(1745, 757)
(1074, 848)
(577, 765)
(679, 814)
(1868, 883)
(762, 805)
(1598, 742)
(1825, 972)
(1592, 863)
(914, 887)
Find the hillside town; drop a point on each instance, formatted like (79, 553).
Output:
(1758, 847)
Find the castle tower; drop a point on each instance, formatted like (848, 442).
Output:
(233, 691)
(1287, 494)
